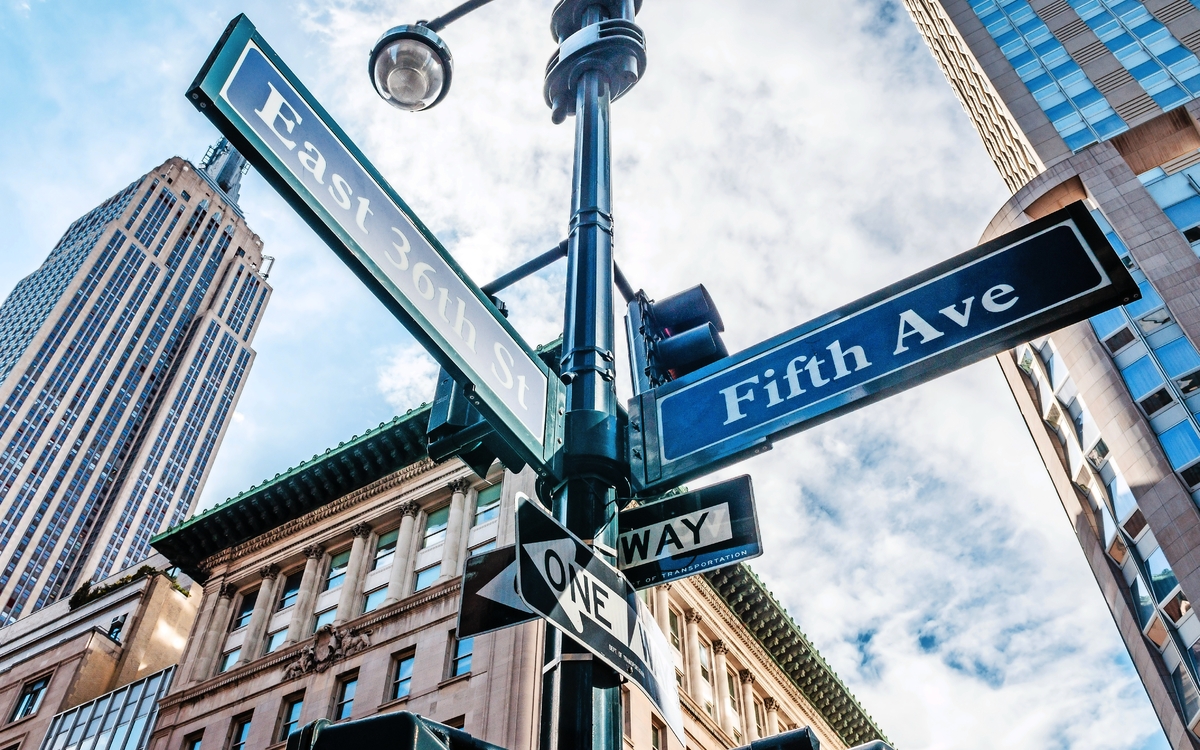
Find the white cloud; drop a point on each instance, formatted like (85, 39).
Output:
(408, 378)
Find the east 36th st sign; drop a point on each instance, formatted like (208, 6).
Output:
(268, 115)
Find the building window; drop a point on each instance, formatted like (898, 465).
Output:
(626, 716)
(402, 669)
(673, 619)
(373, 599)
(192, 741)
(228, 659)
(760, 718)
(385, 549)
(705, 691)
(245, 610)
(289, 717)
(240, 733)
(658, 737)
(435, 527)
(487, 505)
(487, 546)
(324, 618)
(274, 641)
(425, 578)
(731, 684)
(460, 659)
(345, 697)
(116, 626)
(291, 590)
(337, 570)
(31, 698)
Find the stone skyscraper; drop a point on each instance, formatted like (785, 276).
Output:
(121, 360)
(1095, 100)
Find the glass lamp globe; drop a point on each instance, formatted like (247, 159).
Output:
(410, 67)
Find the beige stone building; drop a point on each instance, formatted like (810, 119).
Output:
(125, 635)
(332, 591)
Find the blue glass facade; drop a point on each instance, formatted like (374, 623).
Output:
(107, 431)
(1167, 70)
(1080, 113)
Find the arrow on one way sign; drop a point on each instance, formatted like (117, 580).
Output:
(489, 594)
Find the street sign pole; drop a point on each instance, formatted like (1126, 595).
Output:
(581, 699)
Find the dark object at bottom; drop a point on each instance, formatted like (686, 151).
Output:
(398, 731)
(800, 739)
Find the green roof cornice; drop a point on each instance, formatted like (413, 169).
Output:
(773, 627)
(325, 477)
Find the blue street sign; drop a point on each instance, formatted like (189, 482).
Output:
(1049, 274)
(261, 107)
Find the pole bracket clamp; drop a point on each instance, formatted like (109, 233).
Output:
(615, 48)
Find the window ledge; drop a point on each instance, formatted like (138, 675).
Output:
(452, 680)
(394, 702)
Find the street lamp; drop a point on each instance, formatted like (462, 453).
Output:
(411, 67)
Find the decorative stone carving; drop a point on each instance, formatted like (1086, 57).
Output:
(460, 486)
(745, 676)
(269, 572)
(409, 509)
(228, 591)
(771, 704)
(719, 647)
(361, 530)
(329, 646)
(314, 551)
(692, 616)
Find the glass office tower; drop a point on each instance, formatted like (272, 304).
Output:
(1094, 100)
(121, 360)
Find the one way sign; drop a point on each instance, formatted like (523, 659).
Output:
(489, 594)
(560, 578)
(687, 534)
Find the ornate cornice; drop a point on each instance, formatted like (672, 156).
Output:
(291, 528)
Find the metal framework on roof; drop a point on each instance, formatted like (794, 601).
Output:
(289, 495)
(773, 627)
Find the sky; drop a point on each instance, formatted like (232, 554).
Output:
(792, 155)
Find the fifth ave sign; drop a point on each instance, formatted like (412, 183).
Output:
(1046, 275)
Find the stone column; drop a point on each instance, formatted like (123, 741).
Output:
(721, 686)
(772, 706)
(348, 600)
(454, 529)
(662, 608)
(211, 642)
(692, 634)
(306, 597)
(252, 643)
(749, 728)
(400, 559)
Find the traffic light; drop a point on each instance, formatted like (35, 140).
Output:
(395, 731)
(456, 428)
(673, 336)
